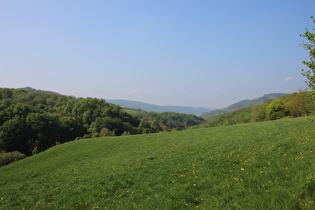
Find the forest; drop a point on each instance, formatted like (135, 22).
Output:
(32, 121)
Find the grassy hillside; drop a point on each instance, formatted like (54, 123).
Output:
(266, 165)
(133, 111)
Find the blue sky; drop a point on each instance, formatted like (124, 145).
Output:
(175, 52)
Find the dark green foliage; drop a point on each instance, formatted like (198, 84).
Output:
(71, 128)
(10, 157)
(145, 127)
(14, 135)
(32, 121)
(44, 130)
(169, 120)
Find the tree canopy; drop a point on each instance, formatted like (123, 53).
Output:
(31, 122)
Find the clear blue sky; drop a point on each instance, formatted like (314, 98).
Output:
(165, 52)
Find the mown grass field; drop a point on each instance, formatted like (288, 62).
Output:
(267, 165)
(132, 111)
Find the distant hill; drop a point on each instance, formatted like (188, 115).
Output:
(150, 107)
(245, 103)
(30, 89)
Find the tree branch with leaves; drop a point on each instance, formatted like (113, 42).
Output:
(310, 46)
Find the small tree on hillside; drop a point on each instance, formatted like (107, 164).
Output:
(310, 46)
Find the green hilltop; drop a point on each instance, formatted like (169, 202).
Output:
(265, 165)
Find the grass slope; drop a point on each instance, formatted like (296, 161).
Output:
(267, 165)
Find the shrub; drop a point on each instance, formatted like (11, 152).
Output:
(107, 132)
(275, 110)
(10, 157)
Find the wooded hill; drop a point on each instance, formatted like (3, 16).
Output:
(291, 105)
(32, 121)
(241, 104)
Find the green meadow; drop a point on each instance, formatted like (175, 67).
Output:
(265, 165)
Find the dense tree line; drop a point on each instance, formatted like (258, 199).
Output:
(291, 105)
(32, 121)
(170, 120)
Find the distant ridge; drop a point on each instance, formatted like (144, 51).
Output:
(140, 105)
(155, 108)
(241, 104)
(30, 89)
(206, 113)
